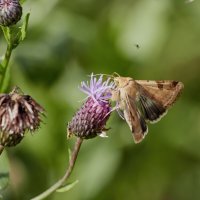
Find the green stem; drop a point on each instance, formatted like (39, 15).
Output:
(5, 67)
(68, 172)
(1, 149)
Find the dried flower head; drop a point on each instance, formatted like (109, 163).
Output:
(91, 118)
(10, 12)
(18, 113)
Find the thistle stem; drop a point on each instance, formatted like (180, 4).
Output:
(5, 68)
(1, 149)
(68, 172)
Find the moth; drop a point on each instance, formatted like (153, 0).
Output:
(142, 101)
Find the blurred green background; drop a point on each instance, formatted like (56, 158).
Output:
(67, 41)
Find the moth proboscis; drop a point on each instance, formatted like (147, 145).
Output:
(142, 101)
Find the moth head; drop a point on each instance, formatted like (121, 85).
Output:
(122, 81)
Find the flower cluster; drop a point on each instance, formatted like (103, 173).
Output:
(18, 113)
(91, 118)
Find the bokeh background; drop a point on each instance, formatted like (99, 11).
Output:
(143, 39)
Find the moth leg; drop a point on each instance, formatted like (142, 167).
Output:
(116, 108)
(120, 113)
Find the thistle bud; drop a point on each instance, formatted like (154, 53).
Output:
(18, 113)
(90, 120)
(10, 12)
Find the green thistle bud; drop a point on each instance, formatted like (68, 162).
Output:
(18, 113)
(10, 12)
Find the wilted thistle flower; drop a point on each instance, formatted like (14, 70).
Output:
(18, 113)
(91, 118)
(10, 12)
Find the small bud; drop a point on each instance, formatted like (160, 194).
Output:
(18, 113)
(10, 12)
(91, 119)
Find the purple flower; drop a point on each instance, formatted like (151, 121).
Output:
(98, 90)
(90, 120)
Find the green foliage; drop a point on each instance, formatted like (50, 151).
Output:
(24, 28)
(15, 35)
(22, 1)
(67, 187)
(20, 35)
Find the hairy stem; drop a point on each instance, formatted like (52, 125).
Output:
(1, 149)
(68, 172)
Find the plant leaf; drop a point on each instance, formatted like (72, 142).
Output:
(67, 187)
(22, 1)
(4, 171)
(20, 35)
(24, 27)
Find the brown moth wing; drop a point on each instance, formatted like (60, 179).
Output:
(134, 119)
(125, 95)
(163, 92)
(151, 109)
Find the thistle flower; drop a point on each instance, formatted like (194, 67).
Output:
(91, 118)
(18, 113)
(10, 12)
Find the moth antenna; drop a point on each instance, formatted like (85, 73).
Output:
(107, 75)
(116, 74)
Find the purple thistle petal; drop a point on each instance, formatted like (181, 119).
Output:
(97, 89)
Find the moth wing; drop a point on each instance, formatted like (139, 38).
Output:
(150, 108)
(165, 92)
(155, 97)
(134, 119)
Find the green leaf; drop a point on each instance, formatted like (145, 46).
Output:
(4, 171)
(20, 35)
(67, 187)
(22, 1)
(24, 27)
